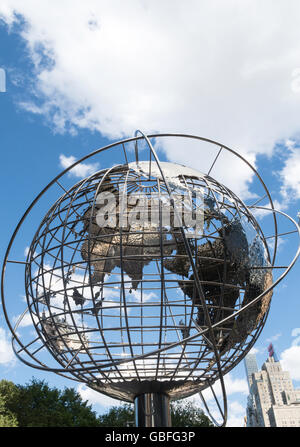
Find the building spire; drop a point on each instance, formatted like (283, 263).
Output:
(272, 353)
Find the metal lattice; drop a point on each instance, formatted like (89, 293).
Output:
(129, 307)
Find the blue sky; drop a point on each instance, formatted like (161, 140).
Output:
(78, 80)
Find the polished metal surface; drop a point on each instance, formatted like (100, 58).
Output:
(152, 410)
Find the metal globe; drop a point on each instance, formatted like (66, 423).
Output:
(147, 277)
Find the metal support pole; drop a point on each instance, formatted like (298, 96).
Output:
(152, 410)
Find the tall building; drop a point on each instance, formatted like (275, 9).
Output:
(272, 400)
(251, 367)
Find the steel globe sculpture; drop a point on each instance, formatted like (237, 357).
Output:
(148, 281)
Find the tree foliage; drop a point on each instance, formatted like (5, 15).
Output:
(188, 415)
(37, 405)
(118, 416)
(7, 394)
(183, 414)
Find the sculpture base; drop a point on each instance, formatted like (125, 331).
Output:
(152, 410)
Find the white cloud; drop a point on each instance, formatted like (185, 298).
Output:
(218, 69)
(7, 356)
(236, 390)
(274, 337)
(290, 361)
(236, 414)
(296, 333)
(96, 398)
(290, 358)
(290, 143)
(235, 385)
(232, 386)
(290, 175)
(81, 170)
(24, 321)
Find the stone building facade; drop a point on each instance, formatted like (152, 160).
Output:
(272, 400)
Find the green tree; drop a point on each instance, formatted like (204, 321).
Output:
(183, 414)
(118, 416)
(188, 415)
(38, 405)
(8, 391)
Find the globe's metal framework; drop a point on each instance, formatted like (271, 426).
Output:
(134, 310)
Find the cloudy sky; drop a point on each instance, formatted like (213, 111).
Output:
(79, 75)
